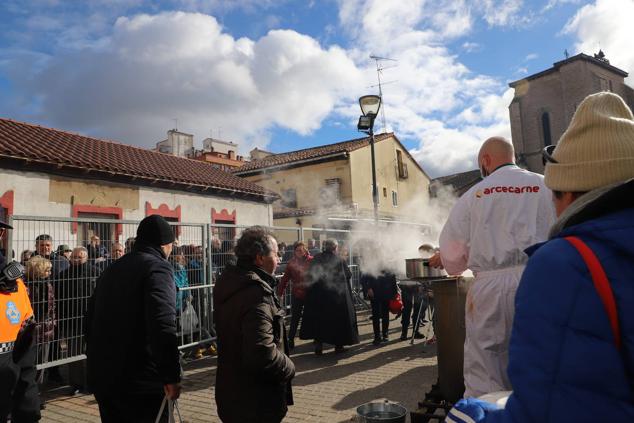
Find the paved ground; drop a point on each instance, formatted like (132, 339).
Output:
(326, 388)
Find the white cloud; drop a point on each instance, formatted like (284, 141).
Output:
(531, 56)
(182, 65)
(471, 47)
(131, 79)
(433, 86)
(606, 25)
(502, 12)
(553, 3)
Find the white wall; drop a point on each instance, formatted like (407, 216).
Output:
(31, 198)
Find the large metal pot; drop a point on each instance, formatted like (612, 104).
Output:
(420, 268)
(381, 412)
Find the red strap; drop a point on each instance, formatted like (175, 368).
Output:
(601, 284)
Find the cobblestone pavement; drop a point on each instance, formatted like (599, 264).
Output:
(326, 388)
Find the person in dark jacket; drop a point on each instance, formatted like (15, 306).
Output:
(132, 347)
(329, 315)
(295, 272)
(380, 289)
(73, 287)
(44, 248)
(253, 381)
(568, 362)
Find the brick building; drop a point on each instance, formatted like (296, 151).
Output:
(545, 102)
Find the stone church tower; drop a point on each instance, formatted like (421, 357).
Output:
(544, 103)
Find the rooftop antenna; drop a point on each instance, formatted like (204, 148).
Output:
(379, 71)
(566, 53)
(175, 124)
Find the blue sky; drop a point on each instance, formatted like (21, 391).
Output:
(285, 75)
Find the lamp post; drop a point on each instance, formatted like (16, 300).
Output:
(370, 105)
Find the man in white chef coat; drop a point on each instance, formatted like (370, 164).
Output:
(487, 231)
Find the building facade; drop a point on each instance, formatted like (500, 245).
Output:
(544, 103)
(51, 174)
(177, 143)
(331, 186)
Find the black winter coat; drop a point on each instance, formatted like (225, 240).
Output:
(383, 286)
(254, 370)
(329, 314)
(73, 287)
(131, 339)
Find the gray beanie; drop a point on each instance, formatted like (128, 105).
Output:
(597, 149)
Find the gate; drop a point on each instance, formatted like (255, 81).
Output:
(80, 249)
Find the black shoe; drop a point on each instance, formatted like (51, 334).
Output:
(377, 341)
(319, 349)
(385, 338)
(340, 349)
(403, 335)
(418, 335)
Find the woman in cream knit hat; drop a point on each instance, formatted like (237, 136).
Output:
(572, 345)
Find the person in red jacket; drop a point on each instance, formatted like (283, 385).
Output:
(295, 272)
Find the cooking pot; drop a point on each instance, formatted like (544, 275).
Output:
(420, 268)
(381, 412)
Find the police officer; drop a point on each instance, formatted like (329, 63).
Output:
(18, 390)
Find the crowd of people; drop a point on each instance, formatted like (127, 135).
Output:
(547, 316)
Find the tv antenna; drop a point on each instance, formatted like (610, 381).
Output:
(380, 67)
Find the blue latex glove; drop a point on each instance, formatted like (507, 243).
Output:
(470, 410)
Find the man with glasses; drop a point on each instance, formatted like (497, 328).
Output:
(487, 231)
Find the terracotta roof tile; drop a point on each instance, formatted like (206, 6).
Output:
(308, 154)
(19, 140)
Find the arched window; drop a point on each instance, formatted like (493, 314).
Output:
(546, 128)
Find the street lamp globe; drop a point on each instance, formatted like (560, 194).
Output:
(370, 105)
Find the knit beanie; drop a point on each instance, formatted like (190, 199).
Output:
(597, 149)
(154, 230)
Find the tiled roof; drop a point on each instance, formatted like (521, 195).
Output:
(65, 150)
(557, 65)
(308, 154)
(460, 182)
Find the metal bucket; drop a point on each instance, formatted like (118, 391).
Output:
(420, 268)
(381, 412)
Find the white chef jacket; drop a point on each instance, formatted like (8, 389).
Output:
(492, 223)
(487, 232)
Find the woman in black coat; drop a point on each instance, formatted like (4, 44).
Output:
(329, 315)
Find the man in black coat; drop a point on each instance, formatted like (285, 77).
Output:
(380, 289)
(133, 359)
(253, 381)
(329, 315)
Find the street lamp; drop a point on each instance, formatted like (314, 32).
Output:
(370, 105)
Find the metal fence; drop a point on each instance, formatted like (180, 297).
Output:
(75, 251)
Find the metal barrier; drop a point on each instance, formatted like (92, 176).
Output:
(75, 251)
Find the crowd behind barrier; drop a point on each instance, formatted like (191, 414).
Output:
(64, 257)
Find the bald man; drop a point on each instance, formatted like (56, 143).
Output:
(487, 231)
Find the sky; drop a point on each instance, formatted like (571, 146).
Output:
(284, 75)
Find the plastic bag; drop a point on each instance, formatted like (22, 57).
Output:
(189, 319)
(396, 304)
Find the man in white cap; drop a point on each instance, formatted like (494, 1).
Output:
(572, 346)
(487, 231)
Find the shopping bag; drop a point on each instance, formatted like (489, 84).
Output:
(171, 406)
(396, 304)
(189, 319)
